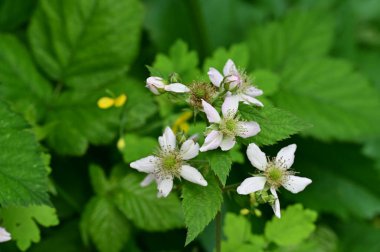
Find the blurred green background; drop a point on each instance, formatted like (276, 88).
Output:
(319, 60)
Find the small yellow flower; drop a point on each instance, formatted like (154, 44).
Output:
(120, 144)
(244, 211)
(181, 123)
(120, 100)
(107, 102)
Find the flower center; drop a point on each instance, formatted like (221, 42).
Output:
(228, 126)
(170, 164)
(275, 175)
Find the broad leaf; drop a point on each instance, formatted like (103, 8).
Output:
(21, 222)
(85, 43)
(13, 13)
(275, 124)
(105, 225)
(295, 225)
(299, 35)
(220, 163)
(137, 147)
(143, 208)
(200, 205)
(329, 94)
(23, 172)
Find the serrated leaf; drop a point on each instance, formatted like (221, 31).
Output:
(23, 172)
(299, 35)
(339, 102)
(82, 43)
(239, 236)
(105, 225)
(275, 124)
(179, 60)
(239, 53)
(220, 163)
(21, 222)
(144, 209)
(295, 225)
(20, 78)
(137, 147)
(200, 205)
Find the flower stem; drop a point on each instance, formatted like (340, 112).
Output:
(218, 231)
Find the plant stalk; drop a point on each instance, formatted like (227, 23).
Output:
(218, 232)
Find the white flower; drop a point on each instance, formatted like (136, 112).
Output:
(4, 235)
(235, 82)
(275, 173)
(224, 130)
(157, 85)
(170, 162)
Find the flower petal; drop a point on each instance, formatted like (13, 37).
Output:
(253, 91)
(250, 100)
(251, 185)
(257, 157)
(147, 180)
(193, 175)
(4, 235)
(230, 106)
(212, 141)
(157, 82)
(230, 68)
(211, 113)
(247, 129)
(296, 184)
(215, 76)
(227, 143)
(167, 140)
(189, 149)
(285, 157)
(165, 186)
(276, 206)
(147, 164)
(177, 88)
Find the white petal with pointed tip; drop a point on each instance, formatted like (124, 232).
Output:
(165, 186)
(215, 76)
(167, 140)
(251, 185)
(285, 157)
(276, 206)
(157, 82)
(250, 100)
(247, 129)
(189, 149)
(193, 175)
(253, 91)
(257, 158)
(147, 180)
(230, 106)
(229, 68)
(296, 184)
(177, 88)
(212, 141)
(227, 143)
(4, 235)
(147, 164)
(211, 113)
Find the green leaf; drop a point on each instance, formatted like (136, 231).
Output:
(266, 80)
(358, 236)
(21, 222)
(137, 147)
(239, 236)
(13, 13)
(200, 205)
(98, 178)
(179, 60)
(295, 225)
(23, 172)
(239, 53)
(299, 35)
(328, 93)
(105, 225)
(144, 209)
(220, 163)
(275, 124)
(85, 43)
(20, 78)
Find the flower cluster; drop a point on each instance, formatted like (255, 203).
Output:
(173, 159)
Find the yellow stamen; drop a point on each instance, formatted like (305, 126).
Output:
(105, 102)
(120, 100)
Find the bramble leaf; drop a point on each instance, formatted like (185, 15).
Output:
(82, 43)
(137, 147)
(220, 163)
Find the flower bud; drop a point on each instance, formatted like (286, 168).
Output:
(155, 84)
(174, 78)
